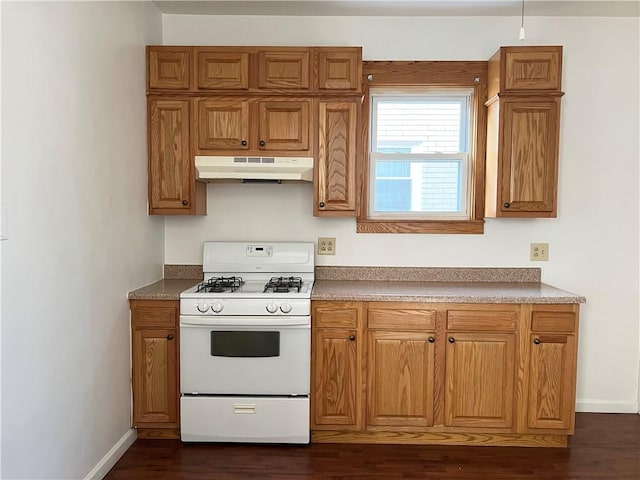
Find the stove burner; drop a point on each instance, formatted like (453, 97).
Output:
(283, 284)
(220, 284)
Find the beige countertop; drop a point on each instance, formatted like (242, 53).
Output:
(165, 289)
(438, 292)
(399, 284)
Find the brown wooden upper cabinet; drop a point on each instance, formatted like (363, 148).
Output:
(172, 186)
(217, 68)
(169, 68)
(523, 131)
(252, 126)
(335, 166)
(273, 70)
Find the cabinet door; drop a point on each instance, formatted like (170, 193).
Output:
(285, 125)
(168, 68)
(335, 182)
(155, 376)
(552, 370)
(529, 157)
(340, 69)
(222, 124)
(284, 69)
(401, 379)
(532, 68)
(218, 69)
(479, 379)
(336, 379)
(170, 166)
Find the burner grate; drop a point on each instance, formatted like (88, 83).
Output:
(220, 284)
(283, 284)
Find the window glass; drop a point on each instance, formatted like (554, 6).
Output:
(419, 155)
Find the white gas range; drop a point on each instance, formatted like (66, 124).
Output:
(245, 344)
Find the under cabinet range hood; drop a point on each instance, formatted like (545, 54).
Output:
(275, 169)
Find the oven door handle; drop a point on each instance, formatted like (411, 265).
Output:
(246, 321)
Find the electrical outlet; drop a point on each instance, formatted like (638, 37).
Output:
(326, 246)
(539, 252)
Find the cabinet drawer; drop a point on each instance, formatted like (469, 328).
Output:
(150, 315)
(335, 315)
(553, 322)
(533, 68)
(499, 320)
(401, 319)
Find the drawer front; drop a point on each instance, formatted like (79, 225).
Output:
(154, 316)
(499, 320)
(401, 319)
(335, 315)
(245, 419)
(553, 322)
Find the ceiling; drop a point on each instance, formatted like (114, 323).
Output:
(402, 8)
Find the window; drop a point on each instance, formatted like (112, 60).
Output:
(419, 154)
(423, 161)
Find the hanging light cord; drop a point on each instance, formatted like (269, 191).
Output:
(522, 23)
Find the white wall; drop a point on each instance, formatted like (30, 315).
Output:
(74, 183)
(594, 241)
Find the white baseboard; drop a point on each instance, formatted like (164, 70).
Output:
(603, 406)
(109, 460)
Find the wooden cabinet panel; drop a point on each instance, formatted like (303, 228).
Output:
(532, 68)
(155, 368)
(529, 156)
(401, 319)
(523, 131)
(284, 69)
(335, 173)
(479, 379)
(171, 169)
(168, 68)
(222, 123)
(492, 320)
(550, 321)
(336, 379)
(340, 69)
(155, 374)
(220, 69)
(552, 369)
(336, 314)
(285, 125)
(150, 315)
(401, 379)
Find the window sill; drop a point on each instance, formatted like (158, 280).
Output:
(421, 226)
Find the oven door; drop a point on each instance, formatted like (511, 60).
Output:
(245, 355)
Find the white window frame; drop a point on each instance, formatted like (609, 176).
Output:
(416, 94)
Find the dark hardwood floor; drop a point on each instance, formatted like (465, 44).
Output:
(605, 446)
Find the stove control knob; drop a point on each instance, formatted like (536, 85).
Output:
(272, 308)
(285, 308)
(217, 307)
(202, 307)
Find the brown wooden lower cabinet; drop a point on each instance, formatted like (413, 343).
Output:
(469, 374)
(155, 369)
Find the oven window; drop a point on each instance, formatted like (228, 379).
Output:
(245, 344)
